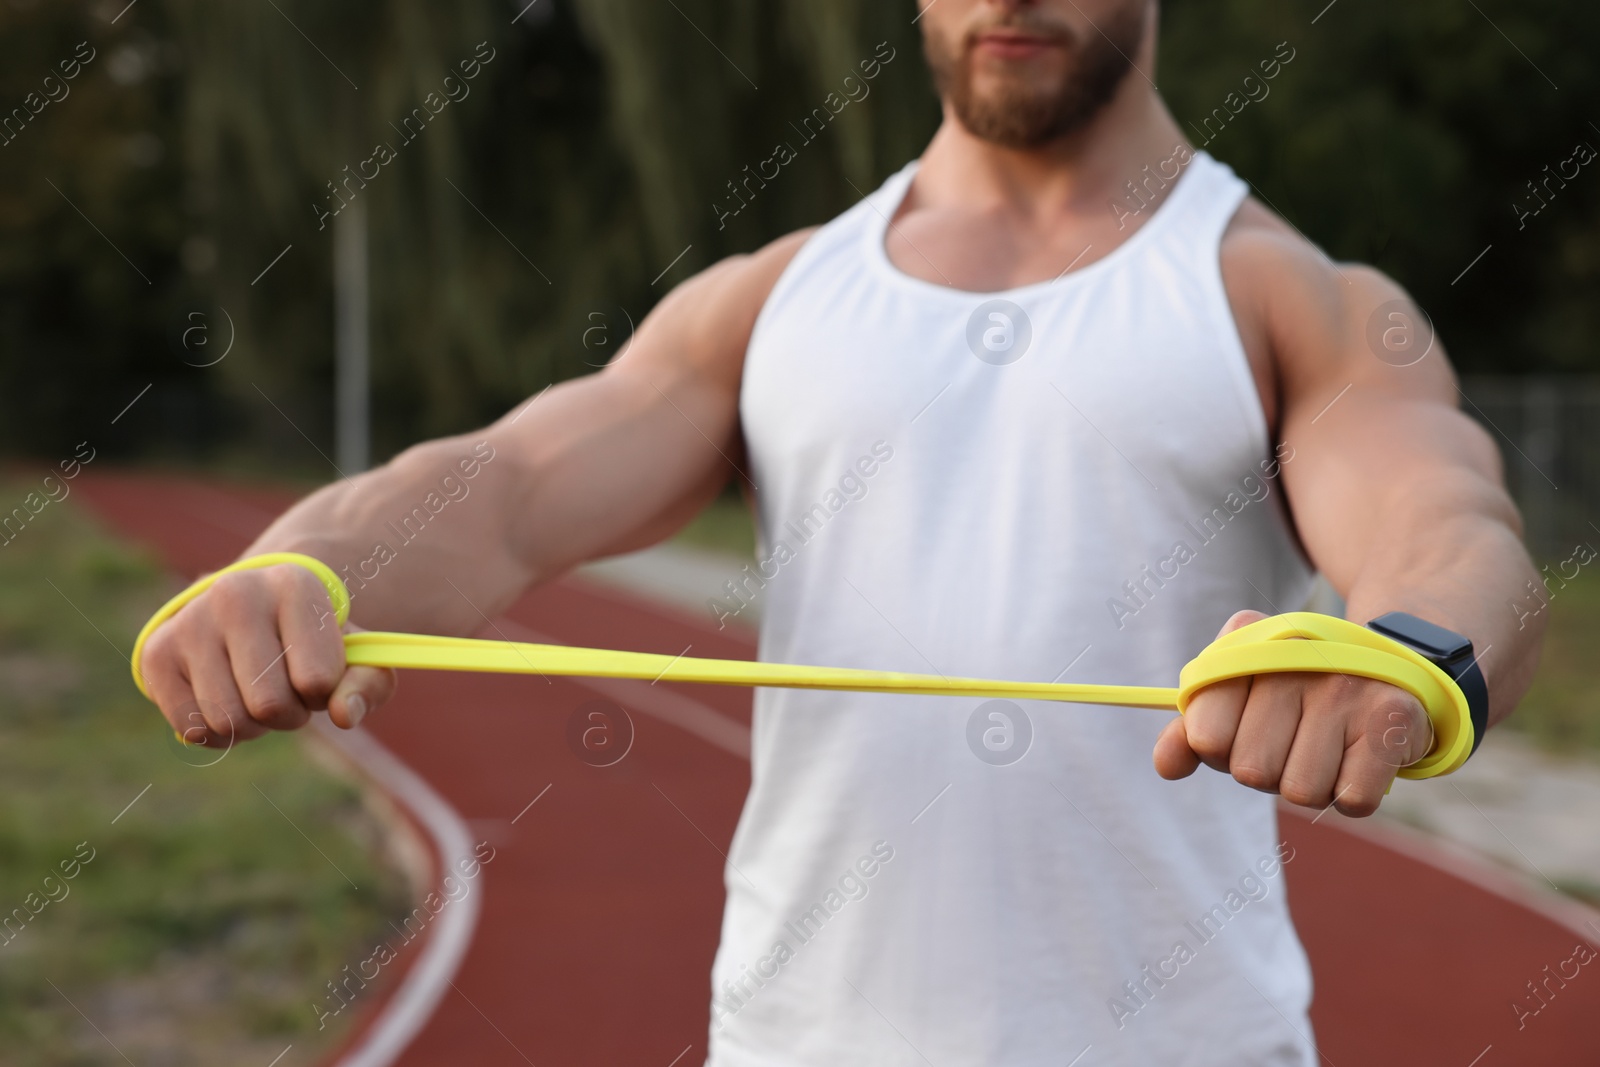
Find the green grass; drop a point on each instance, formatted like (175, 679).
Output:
(205, 924)
(1562, 710)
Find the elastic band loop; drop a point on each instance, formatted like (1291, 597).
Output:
(338, 597)
(1306, 641)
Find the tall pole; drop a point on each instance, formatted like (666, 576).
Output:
(352, 415)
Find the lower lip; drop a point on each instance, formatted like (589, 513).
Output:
(1013, 47)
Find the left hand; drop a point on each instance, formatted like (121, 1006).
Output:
(1314, 739)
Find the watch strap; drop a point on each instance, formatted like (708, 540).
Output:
(1476, 690)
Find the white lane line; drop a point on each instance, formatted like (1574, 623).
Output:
(408, 1010)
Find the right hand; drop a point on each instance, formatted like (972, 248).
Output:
(257, 651)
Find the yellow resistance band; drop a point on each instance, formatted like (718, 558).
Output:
(1298, 641)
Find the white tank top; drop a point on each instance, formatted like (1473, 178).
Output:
(1067, 480)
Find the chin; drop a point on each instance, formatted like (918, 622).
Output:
(1011, 89)
(1013, 97)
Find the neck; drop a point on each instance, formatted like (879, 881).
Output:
(1076, 173)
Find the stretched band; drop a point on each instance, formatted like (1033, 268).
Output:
(1298, 641)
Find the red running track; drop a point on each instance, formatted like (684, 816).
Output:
(602, 906)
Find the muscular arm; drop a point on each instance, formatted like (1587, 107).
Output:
(1398, 499)
(1397, 494)
(592, 467)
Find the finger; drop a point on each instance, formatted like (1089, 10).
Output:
(1266, 731)
(164, 679)
(1364, 778)
(170, 661)
(211, 678)
(1173, 757)
(1239, 620)
(1397, 732)
(243, 607)
(1329, 722)
(1208, 724)
(315, 659)
(359, 691)
(256, 656)
(1211, 721)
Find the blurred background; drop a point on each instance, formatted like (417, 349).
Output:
(213, 212)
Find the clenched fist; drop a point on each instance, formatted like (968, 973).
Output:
(1314, 739)
(257, 651)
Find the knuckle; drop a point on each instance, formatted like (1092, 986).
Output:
(1397, 706)
(1327, 696)
(159, 647)
(270, 708)
(291, 581)
(1209, 741)
(315, 681)
(235, 593)
(240, 727)
(224, 723)
(1358, 803)
(182, 630)
(1255, 776)
(1297, 789)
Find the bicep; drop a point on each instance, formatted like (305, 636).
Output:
(623, 458)
(619, 459)
(616, 460)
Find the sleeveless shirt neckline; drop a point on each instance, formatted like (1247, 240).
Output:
(894, 194)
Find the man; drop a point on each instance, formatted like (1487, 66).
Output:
(1059, 399)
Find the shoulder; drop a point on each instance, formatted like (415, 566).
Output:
(726, 297)
(1304, 319)
(705, 322)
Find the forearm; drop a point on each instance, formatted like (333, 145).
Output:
(420, 542)
(1448, 550)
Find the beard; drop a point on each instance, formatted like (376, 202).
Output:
(1018, 111)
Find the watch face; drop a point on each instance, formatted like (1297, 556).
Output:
(1432, 641)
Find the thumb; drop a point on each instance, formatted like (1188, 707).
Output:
(359, 691)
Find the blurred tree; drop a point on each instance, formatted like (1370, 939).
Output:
(89, 159)
(521, 233)
(606, 149)
(1405, 136)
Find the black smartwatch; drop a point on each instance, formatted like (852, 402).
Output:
(1451, 653)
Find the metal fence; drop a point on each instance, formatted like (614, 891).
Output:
(1548, 429)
